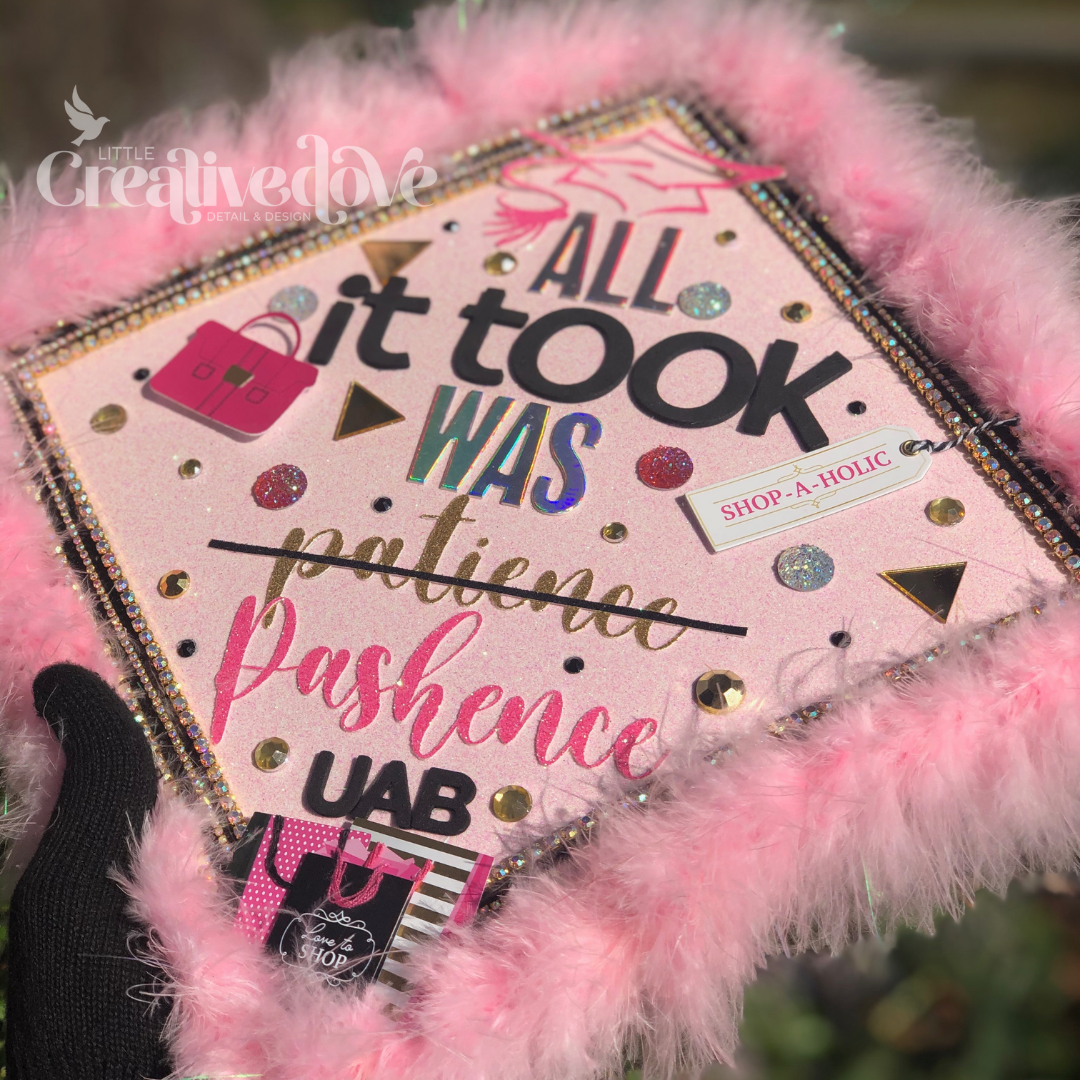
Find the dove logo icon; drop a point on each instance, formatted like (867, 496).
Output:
(83, 119)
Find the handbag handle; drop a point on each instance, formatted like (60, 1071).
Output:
(371, 888)
(276, 315)
(365, 894)
(334, 894)
(275, 829)
(271, 853)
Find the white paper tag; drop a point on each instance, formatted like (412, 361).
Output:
(835, 478)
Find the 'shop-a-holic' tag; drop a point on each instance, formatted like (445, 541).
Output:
(835, 478)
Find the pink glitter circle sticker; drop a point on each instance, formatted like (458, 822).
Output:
(665, 467)
(280, 486)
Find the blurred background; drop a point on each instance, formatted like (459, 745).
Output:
(1008, 69)
(995, 995)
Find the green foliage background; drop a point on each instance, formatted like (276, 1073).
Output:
(996, 995)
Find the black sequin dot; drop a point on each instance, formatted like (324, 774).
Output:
(186, 648)
(451, 226)
(382, 504)
(856, 408)
(141, 374)
(840, 638)
(572, 665)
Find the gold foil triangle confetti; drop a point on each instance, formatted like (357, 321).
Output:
(387, 257)
(363, 411)
(933, 588)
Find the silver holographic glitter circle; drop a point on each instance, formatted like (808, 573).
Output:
(804, 568)
(295, 300)
(705, 300)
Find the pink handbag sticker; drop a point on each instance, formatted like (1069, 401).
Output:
(232, 380)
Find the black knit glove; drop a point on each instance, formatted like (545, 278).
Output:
(80, 1004)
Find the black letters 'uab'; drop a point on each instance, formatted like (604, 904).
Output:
(389, 791)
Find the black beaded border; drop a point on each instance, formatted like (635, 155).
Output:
(151, 691)
(153, 694)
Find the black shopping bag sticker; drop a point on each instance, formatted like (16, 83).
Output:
(338, 946)
(338, 918)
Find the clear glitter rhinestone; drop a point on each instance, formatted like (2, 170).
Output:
(804, 568)
(297, 301)
(705, 300)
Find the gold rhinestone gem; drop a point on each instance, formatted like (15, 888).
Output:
(270, 754)
(614, 532)
(726, 237)
(719, 691)
(190, 468)
(500, 262)
(109, 419)
(945, 511)
(173, 584)
(511, 803)
(799, 311)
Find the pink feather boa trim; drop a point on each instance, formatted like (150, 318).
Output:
(911, 798)
(905, 803)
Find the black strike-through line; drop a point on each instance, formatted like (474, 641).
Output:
(482, 586)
